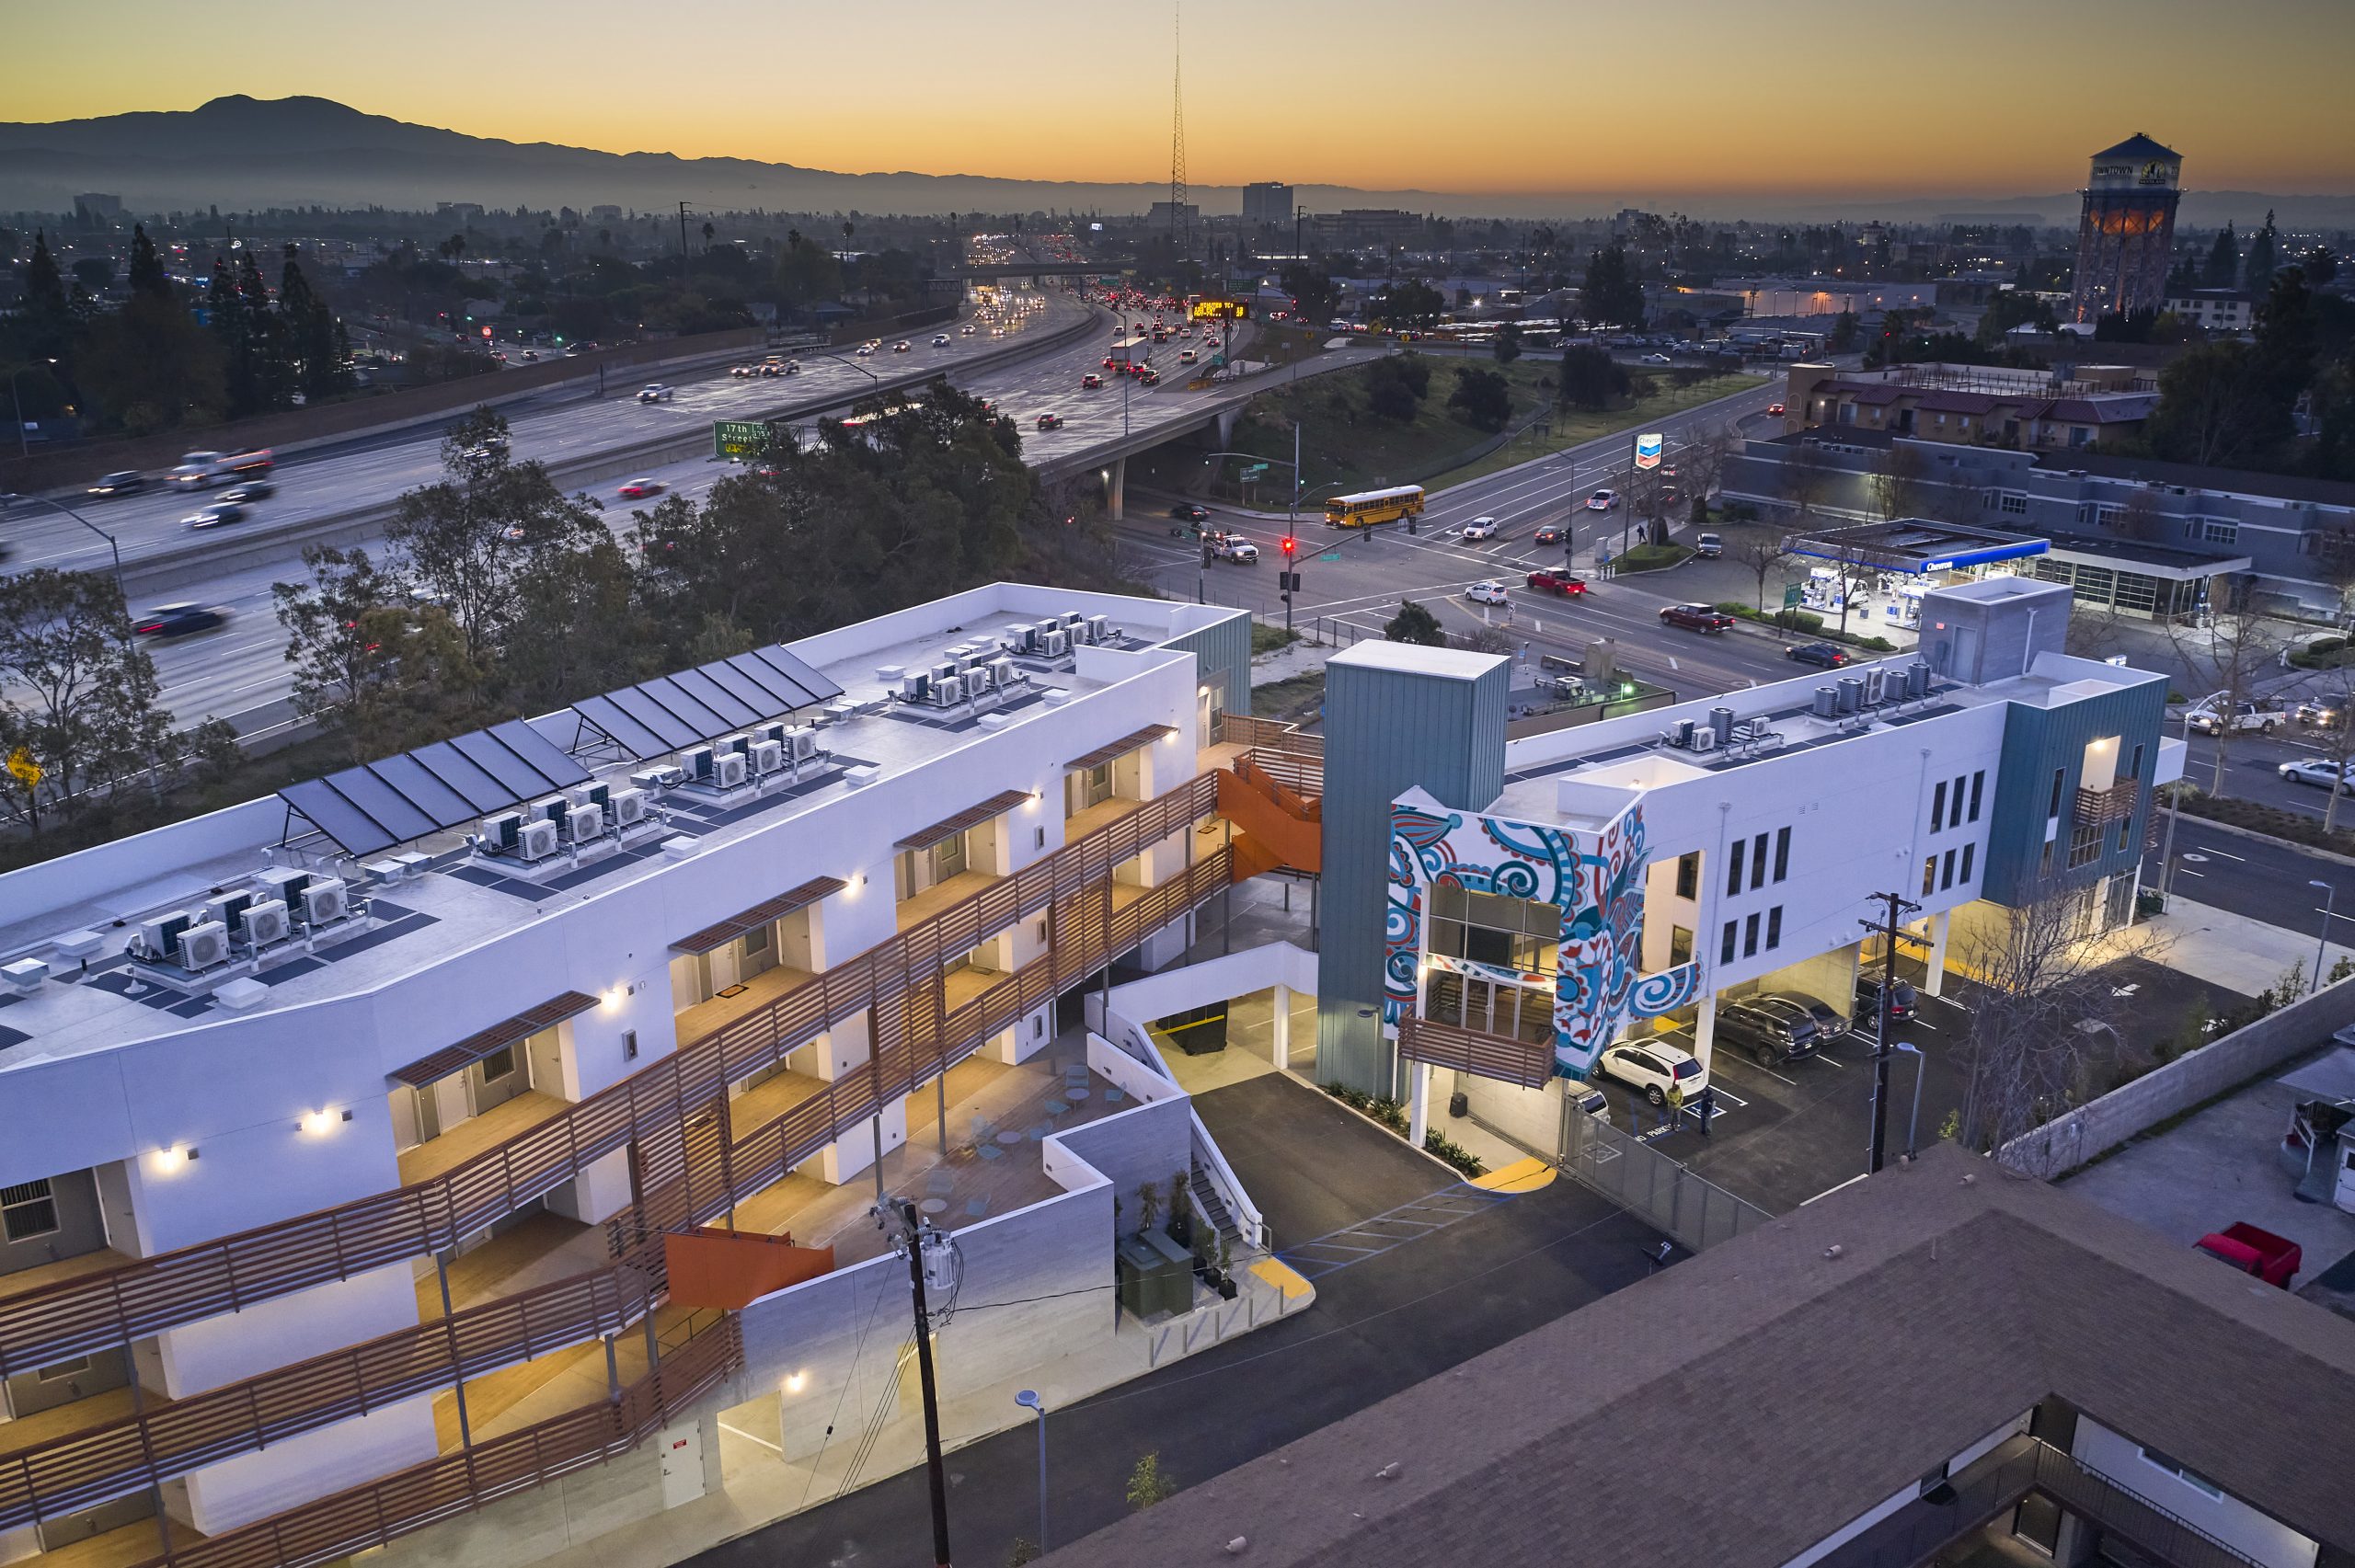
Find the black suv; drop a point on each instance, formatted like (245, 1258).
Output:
(1772, 1029)
(1903, 1004)
(1189, 513)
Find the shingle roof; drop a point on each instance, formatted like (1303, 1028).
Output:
(1738, 1408)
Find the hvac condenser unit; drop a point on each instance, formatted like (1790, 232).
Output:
(204, 946)
(729, 773)
(768, 756)
(947, 693)
(1054, 644)
(585, 823)
(698, 761)
(266, 923)
(538, 840)
(229, 908)
(629, 807)
(285, 883)
(804, 742)
(1005, 671)
(770, 732)
(977, 679)
(324, 901)
(740, 744)
(553, 808)
(915, 688)
(596, 794)
(1099, 629)
(159, 940)
(1705, 739)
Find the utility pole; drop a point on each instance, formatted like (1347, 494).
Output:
(1896, 907)
(913, 1233)
(683, 283)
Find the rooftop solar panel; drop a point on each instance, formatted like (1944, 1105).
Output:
(556, 767)
(446, 763)
(682, 704)
(336, 817)
(381, 804)
(776, 688)
(517, 780)
(423, 790)
(722, 702)
(794, 667)
(763, 701)
(669, 730)
(626, 732)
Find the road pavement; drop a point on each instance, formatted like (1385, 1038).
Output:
(2262, 879)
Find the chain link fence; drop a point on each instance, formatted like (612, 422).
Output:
(1698, 1212)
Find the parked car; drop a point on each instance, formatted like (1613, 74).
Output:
(1821, 654)
(1654, 1067)
(2247, 718)
(180, 620)
(119, 483)
(1548, 535)
(1602, 500)
(219, 514)
(638, 488)
(1489, 592)
(1772, 1029)
(250, 490)
(1708, 546)
(1830, 1021)
(1697, 618)
(1188, 512)
(1480, 528)
(2318, 774)
(1902, 1001)
(1562, 583)
(2273, 1259)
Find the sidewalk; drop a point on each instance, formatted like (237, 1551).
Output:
(2235, 951)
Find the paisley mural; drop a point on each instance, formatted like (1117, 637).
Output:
(1595, 879)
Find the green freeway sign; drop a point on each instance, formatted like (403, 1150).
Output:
(1254, 470)
(738, 438)
(1791, 597)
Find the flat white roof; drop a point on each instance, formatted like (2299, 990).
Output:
(1416, 658)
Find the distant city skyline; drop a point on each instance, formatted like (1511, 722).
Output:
(1809, 98)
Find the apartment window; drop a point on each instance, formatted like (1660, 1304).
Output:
(1977, 779)
(1750, 936)
(2044, 861)
(1946, 879)
(2012, 501)
(1734, 866)
(1758, 862)
(1774, 928)
(1782, 853)
(2220, 532)
(2052, 807)
(2109, 517)
(1521, 934)
(27, 1209)
(2084, 845)
(629, 1045)
(2176, 1467)
(498, 1063)
(1725, 949)
(1965, 876)
(1954, 818)
(1929, 877)
(1688, 876)
(2134, 767)
(2125, 831)
(1938, 807)
(1680, 946)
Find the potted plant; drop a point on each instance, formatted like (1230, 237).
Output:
(1205, 1266)
(1148, 1207)
(1181, 1211)
(1227, 1286)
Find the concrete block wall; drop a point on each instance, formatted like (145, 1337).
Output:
(2094, 1129)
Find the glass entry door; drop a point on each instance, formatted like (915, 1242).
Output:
(1491, 1007)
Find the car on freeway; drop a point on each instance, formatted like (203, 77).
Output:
(1602, 500)
(1489, 592)
(257, 461)
(1091, 381)
(864, 349)
(1188, 512)
(940, 340)
(199, 470)
(1564, 584)
(901, 347)
(246, 490)
(966, 330)
(1149, 377)
(743, 372)
(654, 392)
(1774, 408)
(1186, 356)
(485, 450)
(1655, 1067)
(1696, 618)
(1480, 528)
(1823, 655)
(637, 488)
(1549, 534)
(180, 620)
(120, 483)
(1772, 1029)
(217, 515)
(1902, 1001)
(1050, 422)
(2319, 774)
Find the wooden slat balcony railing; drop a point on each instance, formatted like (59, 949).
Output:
(1470, 1050)
(1266, 734)
(97, 1312)
(382, 1511)
(2099, 807)
(83, 1468)
(1304, 776)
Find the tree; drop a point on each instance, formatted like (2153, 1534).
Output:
(1762, 551)
(1508, 345)
(1899, 479)
(1613, 296)
(2223, 264)
(1314, 297)
(84, 710)
(2227, 657)
(1484, 396)
(2264, 257)
(1701, 463)
(1148, 1484)
(2218, 406)
(148, 277)
(1805, 480)
(2013, 308)
(1413, 624)
(1408, 306)
(1846, 333)
(1395, 385)
(1591, 378)
(370, 665)
(309, 332)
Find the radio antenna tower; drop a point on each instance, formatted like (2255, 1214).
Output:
(1181, 230)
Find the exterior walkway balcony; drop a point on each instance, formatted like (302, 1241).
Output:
(508, 1119)
(25, 1281)
(942, 895)
(705, 1018)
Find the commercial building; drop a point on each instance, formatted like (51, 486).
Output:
(2215, 310)
(1266, 202)
(342, 1126)
(1944, 1363)
(1974, 405)
(2133, 536)
(1508, 909)
(1367, 228)
(1826, 297)
(94, 206)
(2126, 229)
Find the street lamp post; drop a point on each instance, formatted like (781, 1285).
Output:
(115, 549)
(1028, 1399)
(2330, 905)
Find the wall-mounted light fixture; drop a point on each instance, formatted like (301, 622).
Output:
(167, 1160)
(319, 1122)
(795, 1381)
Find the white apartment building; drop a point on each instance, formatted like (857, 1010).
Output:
(1643, 873)
(313, 1100)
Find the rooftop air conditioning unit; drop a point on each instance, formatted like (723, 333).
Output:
(285, 883)
(977, 679)
(1099, 629)
(586, 822)
(1072, 618)
(629, 807)
(740, 744)
(770, 732)
(158, 940)
(595, 795)
(962, 654)
(768, 756)
(804, 742)
(944, 672)
(204, 946)
(266, 923)
(1682, 734)
(698, 761)
(915, 688)
(553, 808)
(948, 692)
(1703, 739)
(324, 901)
(538, 840)
(649, 780)
(229, 908)
(1054, 644)
(731, 769)
(1005, 672)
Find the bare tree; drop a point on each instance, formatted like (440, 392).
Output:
(2226, 655)
(1762, 551)
(1701, 466)
(1806, 483)
(2140, 517)
(2047, 1031)
(1901, 481)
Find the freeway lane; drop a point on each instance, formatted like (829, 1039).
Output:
(375, 471)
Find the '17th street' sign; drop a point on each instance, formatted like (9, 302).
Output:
(738, 439)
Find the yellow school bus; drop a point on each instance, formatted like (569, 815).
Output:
(1370, 506)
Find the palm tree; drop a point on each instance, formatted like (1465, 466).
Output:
(707, 231)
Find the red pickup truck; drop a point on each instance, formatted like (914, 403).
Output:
(2274, 1259)
(1562, 583)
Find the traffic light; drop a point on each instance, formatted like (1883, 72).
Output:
(1290, 545)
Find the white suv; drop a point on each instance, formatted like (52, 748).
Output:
(1480, 528)
(1488, 593)
(1654, 1066)
(654, 393)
